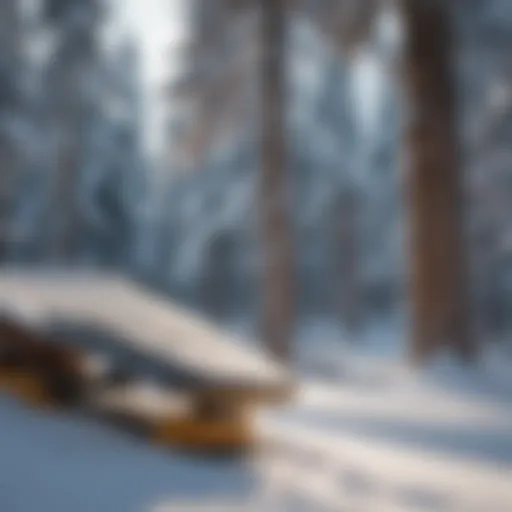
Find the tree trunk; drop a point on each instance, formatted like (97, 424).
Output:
(440, 303)
(66, 193)
(346, 250)
(10, 108)
(75, 59)
(277, 293)
(218, 276)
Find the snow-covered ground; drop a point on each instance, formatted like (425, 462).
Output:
(370, 434)
(365, 434)
(55, 462)
(404, 446)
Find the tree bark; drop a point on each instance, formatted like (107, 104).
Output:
(218, 276)
(75, 59)
(66, 193)
(277, 292)
(346, 249)
(440, 302)
(11, 107)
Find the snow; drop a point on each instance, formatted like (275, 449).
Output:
(405, 444)
(117, 307)
(369, 434)
(59, 463)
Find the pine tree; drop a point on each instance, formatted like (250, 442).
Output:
(72, 85)
(274, 192)
(10, 100)
(434, 183)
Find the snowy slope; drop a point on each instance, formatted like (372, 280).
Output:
(365, 433)
(412, 442)
(404, 444)
(59, 463)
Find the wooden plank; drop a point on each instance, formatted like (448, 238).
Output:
(149, 328)
(173, 419)
(27, 356)
(147, 404)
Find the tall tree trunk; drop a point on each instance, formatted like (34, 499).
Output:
(75, 24)
(218, 276)
(10, 109)
(440, 303)
(66, 193)
(345, 237)
(277, 300)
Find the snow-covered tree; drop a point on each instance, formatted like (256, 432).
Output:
(11, 101)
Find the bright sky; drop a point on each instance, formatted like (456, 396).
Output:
(160, 28)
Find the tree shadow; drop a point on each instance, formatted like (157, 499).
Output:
(490, 444)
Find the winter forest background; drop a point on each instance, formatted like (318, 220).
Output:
(331, 178)
(142, 153)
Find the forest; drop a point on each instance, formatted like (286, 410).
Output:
(269, 150)
(331, 178)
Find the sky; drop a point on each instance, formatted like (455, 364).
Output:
(160, 29)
